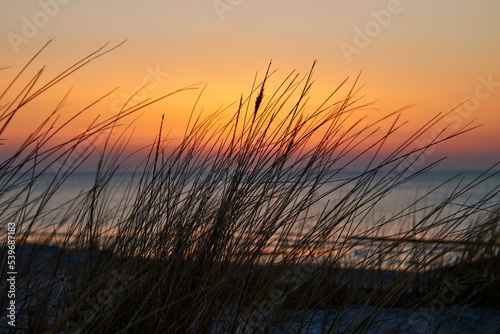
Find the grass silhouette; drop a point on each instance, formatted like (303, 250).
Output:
(234, 229)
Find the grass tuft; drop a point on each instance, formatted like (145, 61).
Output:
(245, 225)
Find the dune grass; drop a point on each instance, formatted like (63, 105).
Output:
(234, 227)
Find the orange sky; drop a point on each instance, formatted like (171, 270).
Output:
(435, 54)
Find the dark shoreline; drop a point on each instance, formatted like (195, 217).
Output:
(332, 285)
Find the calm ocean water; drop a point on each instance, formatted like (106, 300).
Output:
(418, 194)
(409, 202)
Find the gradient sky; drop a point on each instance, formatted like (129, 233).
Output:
(434, 54)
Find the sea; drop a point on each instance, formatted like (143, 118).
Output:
(431, 187)
(376, 210)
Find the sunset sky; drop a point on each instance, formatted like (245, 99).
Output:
(430, 54)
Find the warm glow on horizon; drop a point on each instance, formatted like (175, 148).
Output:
(432, 56)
